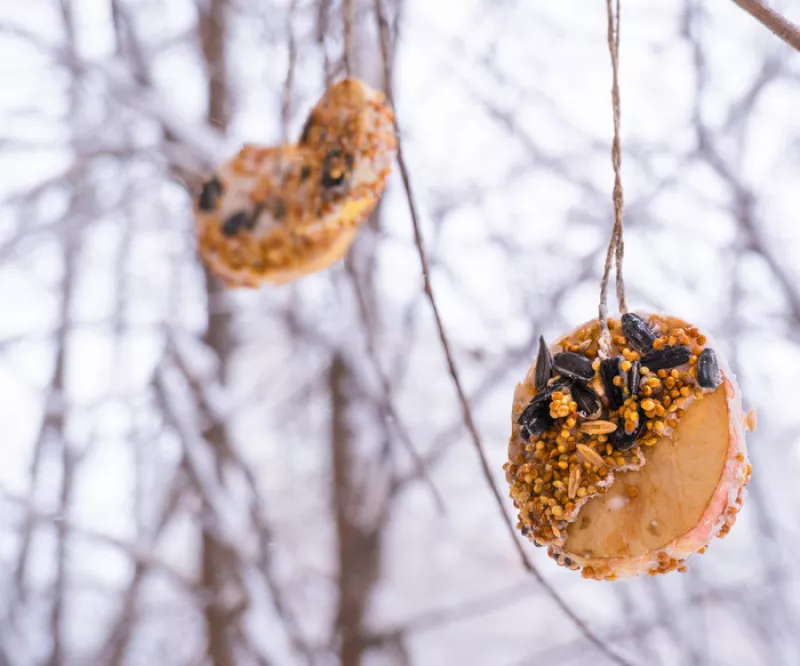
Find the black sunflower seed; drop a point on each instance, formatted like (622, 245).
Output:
(624, 441)
(573, 365)
(708, 374)
(559, 384)
(637, 332)
(670, 356)
(234, 223)
(544, 395)
(538, 424)
(336, 169)
(535, 418)
(209, 195)
(588, 402)
(609, 368)
(633, 378)
(544, 365)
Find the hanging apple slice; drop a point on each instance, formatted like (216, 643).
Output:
(647, 479)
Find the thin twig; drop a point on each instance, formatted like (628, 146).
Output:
(349, 17)
(435, 618)
(633, 628)
(135, 551)
(288, 84)
(322, 20)
(779, 25)
(445, 343)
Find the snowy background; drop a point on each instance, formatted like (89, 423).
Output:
(282, 476)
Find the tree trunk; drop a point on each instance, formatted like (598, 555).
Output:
(213, 23)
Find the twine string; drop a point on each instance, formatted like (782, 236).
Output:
(616, 246)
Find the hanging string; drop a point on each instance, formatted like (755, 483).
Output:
(616, 246)
(347, 8)
(616, 152)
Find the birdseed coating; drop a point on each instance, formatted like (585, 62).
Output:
(574, 431)
(277, 213)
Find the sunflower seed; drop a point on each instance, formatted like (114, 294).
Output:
(670, 356)
(543, 397)
(588, 403)
(624, 441)
(234, 223)
(544, 365)
(209, 195)
(597, 427)
(573, 365)
(535, 418)
(609, 368)
(336, 169)
(591, 456)
(633, 378)
(559, 384)
(637, 332)
(708, 374)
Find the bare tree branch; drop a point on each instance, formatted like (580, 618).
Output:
(777, 24)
